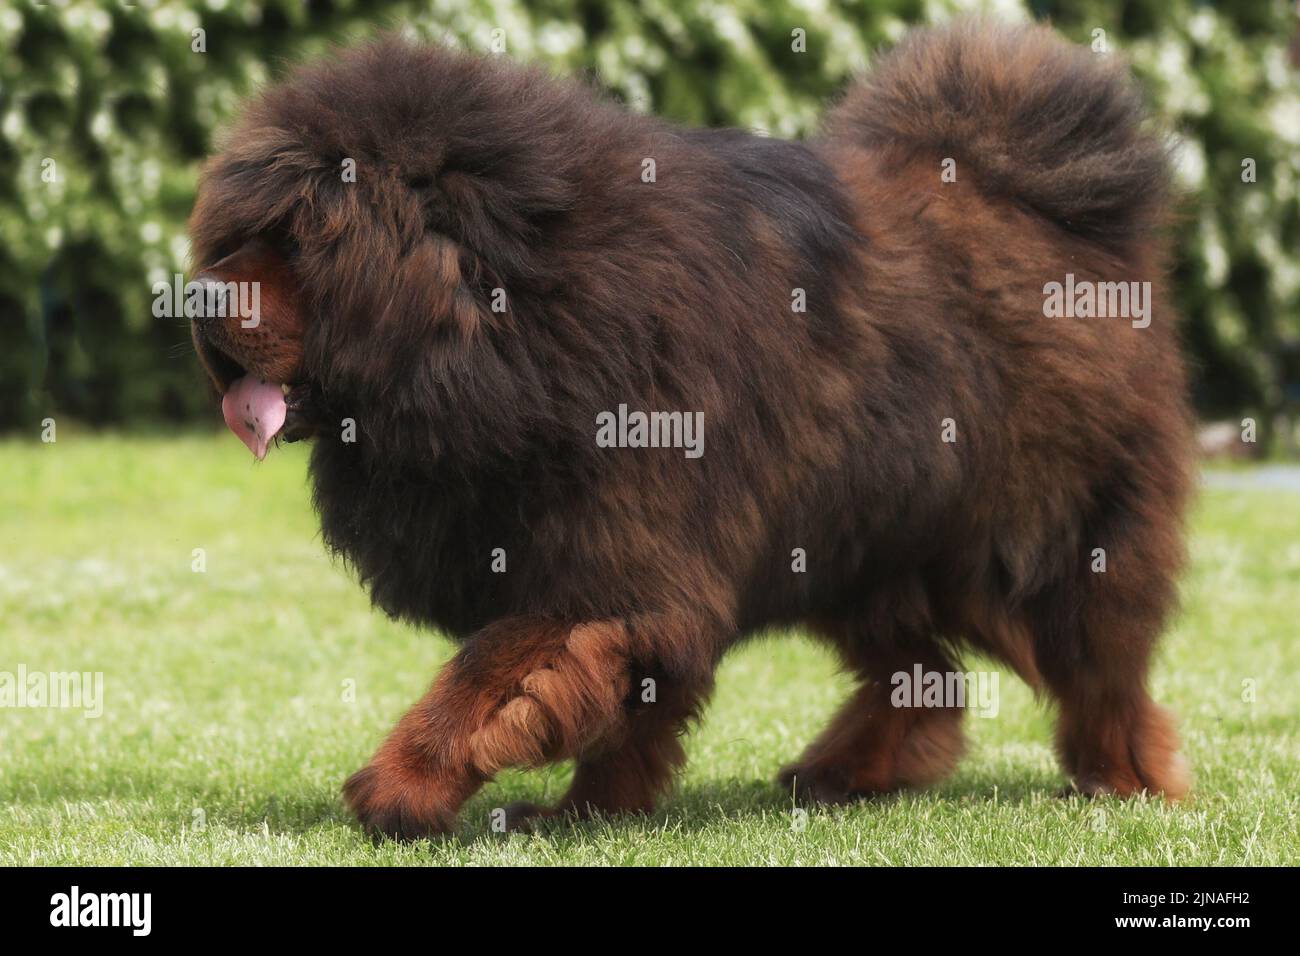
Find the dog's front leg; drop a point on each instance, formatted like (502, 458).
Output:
(522, 692)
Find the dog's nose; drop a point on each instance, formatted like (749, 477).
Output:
(215, 293)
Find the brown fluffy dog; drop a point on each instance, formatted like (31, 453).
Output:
(905, 455)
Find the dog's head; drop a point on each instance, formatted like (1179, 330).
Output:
(353, 234)
(249, 338)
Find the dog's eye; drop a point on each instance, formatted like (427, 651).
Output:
(420, 183)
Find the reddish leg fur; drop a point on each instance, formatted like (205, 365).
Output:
(1111, 737)
(1092, 636)
(524, 692)
(872, 746)
(1122, 746)
(1096, 636)
(629, 771)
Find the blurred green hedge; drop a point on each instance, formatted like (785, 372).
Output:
(106, 111)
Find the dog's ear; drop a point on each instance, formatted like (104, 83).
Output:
(253, 311)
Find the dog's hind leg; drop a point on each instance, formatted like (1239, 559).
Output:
(1095, 636)
(522, 692)
(873, 746)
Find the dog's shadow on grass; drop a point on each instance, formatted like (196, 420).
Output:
(695, 808)
(692, 808)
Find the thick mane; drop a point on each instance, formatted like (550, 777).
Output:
(482, 183)
(481, 148)
(438, 171)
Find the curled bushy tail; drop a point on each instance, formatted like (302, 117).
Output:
(1027, 115)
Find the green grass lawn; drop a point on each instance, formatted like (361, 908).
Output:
(228, 725)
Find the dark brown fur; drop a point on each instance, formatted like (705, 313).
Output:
(822, 428)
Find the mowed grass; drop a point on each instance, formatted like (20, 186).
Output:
(237, 700)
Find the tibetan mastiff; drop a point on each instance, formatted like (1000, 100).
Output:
(600, 397)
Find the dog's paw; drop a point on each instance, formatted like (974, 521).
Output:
(523, 816)
(397, 806)
(810, 783)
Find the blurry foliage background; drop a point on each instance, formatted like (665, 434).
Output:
(116, 97)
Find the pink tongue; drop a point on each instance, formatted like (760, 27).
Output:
(254, 410)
